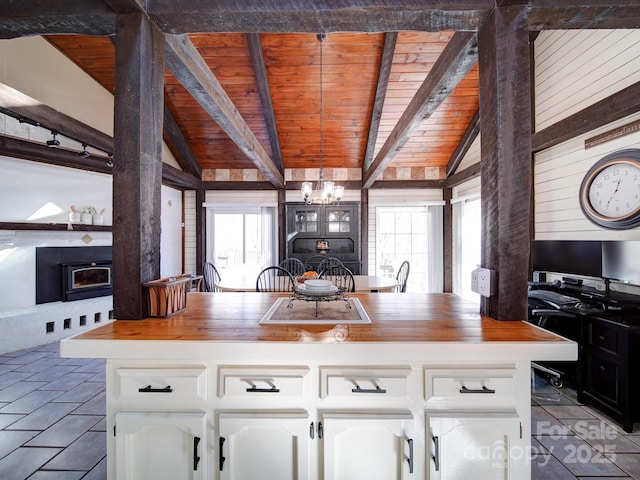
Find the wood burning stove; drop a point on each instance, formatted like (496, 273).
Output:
(86, 280)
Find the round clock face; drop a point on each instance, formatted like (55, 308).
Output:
(610, 191)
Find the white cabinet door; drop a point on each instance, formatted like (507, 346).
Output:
(161, 446)
(367, 447)
(263, 446)
(476, 445)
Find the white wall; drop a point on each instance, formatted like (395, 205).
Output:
(574, 70)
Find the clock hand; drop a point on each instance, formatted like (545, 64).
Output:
(614, 192)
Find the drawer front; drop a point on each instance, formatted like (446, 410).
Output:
(364, 382)
(159, 384)
(261, 382)
(603, 379)
(605, 337)
(472, 384)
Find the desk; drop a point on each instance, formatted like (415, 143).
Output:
(364, 283)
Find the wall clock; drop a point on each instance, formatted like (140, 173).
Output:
(610, 191)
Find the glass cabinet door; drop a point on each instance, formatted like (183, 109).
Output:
(338, 220)
(306, 221)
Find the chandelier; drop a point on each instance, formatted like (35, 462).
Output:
(325, 192)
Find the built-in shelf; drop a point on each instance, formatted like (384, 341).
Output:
(76, 227)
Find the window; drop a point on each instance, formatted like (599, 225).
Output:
(467, 244)
(242, 238)
(413, 234)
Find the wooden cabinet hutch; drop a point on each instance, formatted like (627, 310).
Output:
(315, 231)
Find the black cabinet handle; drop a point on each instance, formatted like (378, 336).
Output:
(410, 459)
(436, 453)
(149, 389)
(320, 431)
(312, 431)
(255, 389)
(368, 390)
(221, 457)
(196, 458)
(484, 389)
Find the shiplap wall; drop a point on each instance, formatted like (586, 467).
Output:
(575, 69)
(472, 156)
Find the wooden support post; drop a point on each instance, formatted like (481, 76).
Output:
(505, 123)
(137, 170)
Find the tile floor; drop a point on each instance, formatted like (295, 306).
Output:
(52, 425)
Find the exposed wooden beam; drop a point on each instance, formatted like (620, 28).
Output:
(469, 136)
(464, 175)
(614, 107)
(260, 71)
(179, 146)
(456, 60)
(583, 14)
(19, 105)
(386, 61)
(42, 17)
(319, 16)
(173, 177)
(38, 152)
(190, 69)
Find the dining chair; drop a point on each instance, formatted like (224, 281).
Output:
(329, 262)
(211, 277)
(340, 276)
(313, 262)
(294, 266)
(274, 279)
(402, 276)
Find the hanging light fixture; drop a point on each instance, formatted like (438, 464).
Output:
(326, 192)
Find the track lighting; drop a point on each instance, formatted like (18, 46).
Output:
(54, 142)
(84, 153)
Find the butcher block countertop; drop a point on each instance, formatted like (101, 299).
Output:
(217, 324)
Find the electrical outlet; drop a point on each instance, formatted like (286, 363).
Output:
(482, 281)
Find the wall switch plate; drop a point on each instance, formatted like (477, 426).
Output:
(482, 281)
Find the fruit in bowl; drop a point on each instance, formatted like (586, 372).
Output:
(307, 276)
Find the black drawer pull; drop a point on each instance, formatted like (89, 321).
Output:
(368, 390)
(410, 459)
(484, 389)
(221, 457)
(196, 458)
(255, 389)
(602, 338)
(149, 389)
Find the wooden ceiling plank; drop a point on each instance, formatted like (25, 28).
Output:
(24, 106)
(186, 64)
(260, 71)
(458, 57)
(386, 62)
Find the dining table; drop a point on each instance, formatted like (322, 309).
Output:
(363, 283)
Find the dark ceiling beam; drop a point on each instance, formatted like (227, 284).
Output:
(614, 107)
(22, 106)
(179, 146)
(319, 16)
(583, 14)
(186, 64)
(176, 178)
(460, 177)
(42, 17)
(458, 57)
(469, 136)
(260, 71)
(386, 61)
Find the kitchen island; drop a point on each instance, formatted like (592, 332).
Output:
(428, 389)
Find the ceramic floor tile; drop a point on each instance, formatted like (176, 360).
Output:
(65, 432)
(44, 417)
(630, 463)
(9, 441)
(57, 475)
(95, 366)
(82, 393)
(22, 462)
(19, 390)
(568, 411)
(7, 419)
(52, 373)
(11, 378)
(39, 366)
(31, 402)
(96, 406)
(99, 472)
(67, 382)
(83, 454)
(547, 467)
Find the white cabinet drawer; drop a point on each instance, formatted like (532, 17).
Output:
(160, 384)
(364, 382)
(261, 381)
(470, 384)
